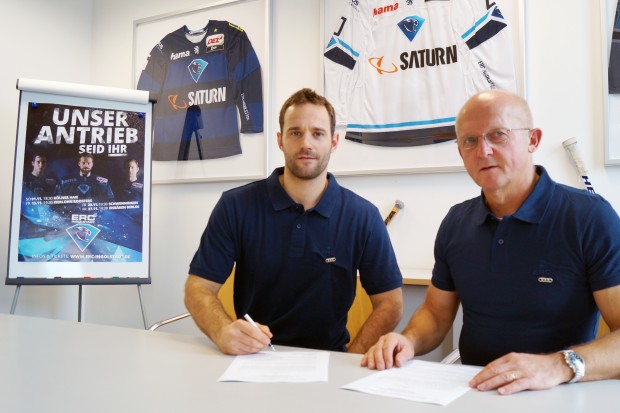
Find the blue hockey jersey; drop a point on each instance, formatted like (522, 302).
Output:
(204, 80)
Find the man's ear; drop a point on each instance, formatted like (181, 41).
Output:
(335, 141)
(535, 138)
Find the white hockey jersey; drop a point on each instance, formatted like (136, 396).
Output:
(397, 72)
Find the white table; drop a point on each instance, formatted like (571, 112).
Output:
(61, 366)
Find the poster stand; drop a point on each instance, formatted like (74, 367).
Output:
(80, 213)
(79, 316)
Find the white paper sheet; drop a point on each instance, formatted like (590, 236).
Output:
(280, 366)
(419, 381)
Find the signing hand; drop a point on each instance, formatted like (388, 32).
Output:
(241, 337)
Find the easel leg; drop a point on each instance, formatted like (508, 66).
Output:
(15, 297)
(80, 304)
(142, 307)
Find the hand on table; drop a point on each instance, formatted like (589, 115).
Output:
(516, 372)
(392, 349)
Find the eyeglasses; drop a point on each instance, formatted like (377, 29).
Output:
(495, 137)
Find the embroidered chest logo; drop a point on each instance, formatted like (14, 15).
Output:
(215, 43)
(410, 26)
(196, 67)
(544, 275)
(83, 188)
(546, 280)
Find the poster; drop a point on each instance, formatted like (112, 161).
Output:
(81, 191)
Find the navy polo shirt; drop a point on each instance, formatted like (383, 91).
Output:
(296, 270)
(526, 281)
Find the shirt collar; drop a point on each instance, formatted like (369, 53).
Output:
(534, 206)
(281, 200)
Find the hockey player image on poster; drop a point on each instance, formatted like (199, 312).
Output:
(204, 81)
(37, 181)
(132, 187)
(397, 72)
(74, 158)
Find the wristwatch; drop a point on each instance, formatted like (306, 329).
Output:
(576, 363)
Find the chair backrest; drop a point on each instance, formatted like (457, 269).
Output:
(359, 312)
(603, 328)
(226, 295)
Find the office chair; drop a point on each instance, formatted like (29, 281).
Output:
(358, 313)
(452, 358)
(225, 294)
(168, 321)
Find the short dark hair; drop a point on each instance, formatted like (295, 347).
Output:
(87, 155)
(128, 161)
(307, 95)
(34, 155)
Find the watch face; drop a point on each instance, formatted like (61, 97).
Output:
(574, 357)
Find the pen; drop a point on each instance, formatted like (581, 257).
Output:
(249, 320)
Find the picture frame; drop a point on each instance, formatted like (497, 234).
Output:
(359, 159)
(254, 17)
(611, 102)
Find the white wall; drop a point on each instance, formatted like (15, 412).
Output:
(74, 40)
(41, 40)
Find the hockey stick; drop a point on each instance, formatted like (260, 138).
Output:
(398, 205)
(571, 148)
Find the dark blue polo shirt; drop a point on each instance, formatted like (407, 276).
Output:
(526, 282)
(296, 270)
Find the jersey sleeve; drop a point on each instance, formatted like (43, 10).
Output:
(153, 75)
(487, 43)
(244, 67)
(345, 47)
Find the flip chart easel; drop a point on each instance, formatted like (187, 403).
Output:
(80, 213)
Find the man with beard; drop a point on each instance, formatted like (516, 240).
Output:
(86, 185)
(297, 240)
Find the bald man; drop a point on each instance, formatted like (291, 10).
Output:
(532, 262)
